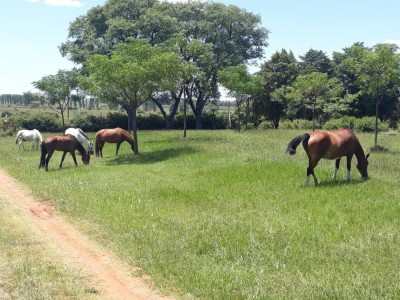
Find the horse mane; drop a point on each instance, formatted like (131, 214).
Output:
(84, 135)
(79, 146)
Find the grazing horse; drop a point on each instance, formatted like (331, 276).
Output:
(66, 143)
(81, 137)
(331, 145)
(116, 135)
(28, 135)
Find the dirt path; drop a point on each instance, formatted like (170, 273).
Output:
(107, 271)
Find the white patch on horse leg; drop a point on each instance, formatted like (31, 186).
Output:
(348, 176)
(307, 180)
(334, 173)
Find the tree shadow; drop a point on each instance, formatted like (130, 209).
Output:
(150, 157)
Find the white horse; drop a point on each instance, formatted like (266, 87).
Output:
(81, 137)
(28, 135)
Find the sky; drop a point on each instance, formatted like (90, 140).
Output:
(32, 30)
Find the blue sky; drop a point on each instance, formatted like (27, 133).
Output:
(32, 30)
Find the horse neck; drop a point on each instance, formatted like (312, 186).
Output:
(128, 138)
(359, 153)
(80, 148)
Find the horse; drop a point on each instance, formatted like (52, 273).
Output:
(116, 135)
(66, 143)
(81, 137)
(331, 145)
(28, 135)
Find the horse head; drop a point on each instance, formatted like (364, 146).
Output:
(362, 166)
(86, 158)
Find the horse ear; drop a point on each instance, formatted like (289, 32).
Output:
(366, 157)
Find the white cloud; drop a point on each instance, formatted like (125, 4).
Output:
(75, 3)
(397, 42)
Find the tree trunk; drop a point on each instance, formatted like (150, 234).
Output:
(169, 119)
(378, 101)
(134, 125)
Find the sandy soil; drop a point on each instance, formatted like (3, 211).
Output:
(74, 249)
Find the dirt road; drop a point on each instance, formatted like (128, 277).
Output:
(107, 271)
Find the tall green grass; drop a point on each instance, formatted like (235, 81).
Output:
(225, 215)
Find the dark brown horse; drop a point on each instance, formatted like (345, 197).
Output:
(66, 143)
(331, 145)
(116, 135)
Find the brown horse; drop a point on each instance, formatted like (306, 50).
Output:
(116, 135)
(66, 143)
(331, 145)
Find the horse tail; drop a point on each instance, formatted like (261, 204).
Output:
(18, 134)
(291, 147)
(96, 146)
(43, 155)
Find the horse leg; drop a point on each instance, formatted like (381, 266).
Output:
(49, 155)
(349, 158)
(310, 171)
(62, 159)
(74, 158)
(337, 164)
(117, 148)
(101, 148)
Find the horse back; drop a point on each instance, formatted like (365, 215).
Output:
(113, 135)
(60, 143)
(332, 144)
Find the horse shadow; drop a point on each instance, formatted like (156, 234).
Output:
(329, 183)
(149, 157)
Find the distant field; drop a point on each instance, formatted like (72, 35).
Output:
(225, 215)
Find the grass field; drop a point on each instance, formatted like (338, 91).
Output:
(226, 215)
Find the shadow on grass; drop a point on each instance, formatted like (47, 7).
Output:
(150, 157)
(336, 183)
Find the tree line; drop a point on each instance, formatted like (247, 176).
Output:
(133, 51)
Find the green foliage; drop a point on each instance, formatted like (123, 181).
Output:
(265, 125)
(344, 122)
(49, 121)
(297, 124)
(367, 124)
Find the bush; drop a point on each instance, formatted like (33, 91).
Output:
(49, 122)
(298, 124)
(266, 125)
(345, 122)
(150, 121)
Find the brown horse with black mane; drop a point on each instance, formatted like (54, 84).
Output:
(66, 143)
(116, 135)
(331, 145)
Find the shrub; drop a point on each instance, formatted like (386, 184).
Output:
(150, 121)
(265, 125)
(287, 124)
(43, 122)
(344, 122)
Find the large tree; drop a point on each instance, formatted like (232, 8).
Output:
(57, 91)
(278, 73)
(316, 91)
(234, 34)
(315, 61)
(132, 74)
(379, 75)
(241, 85)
